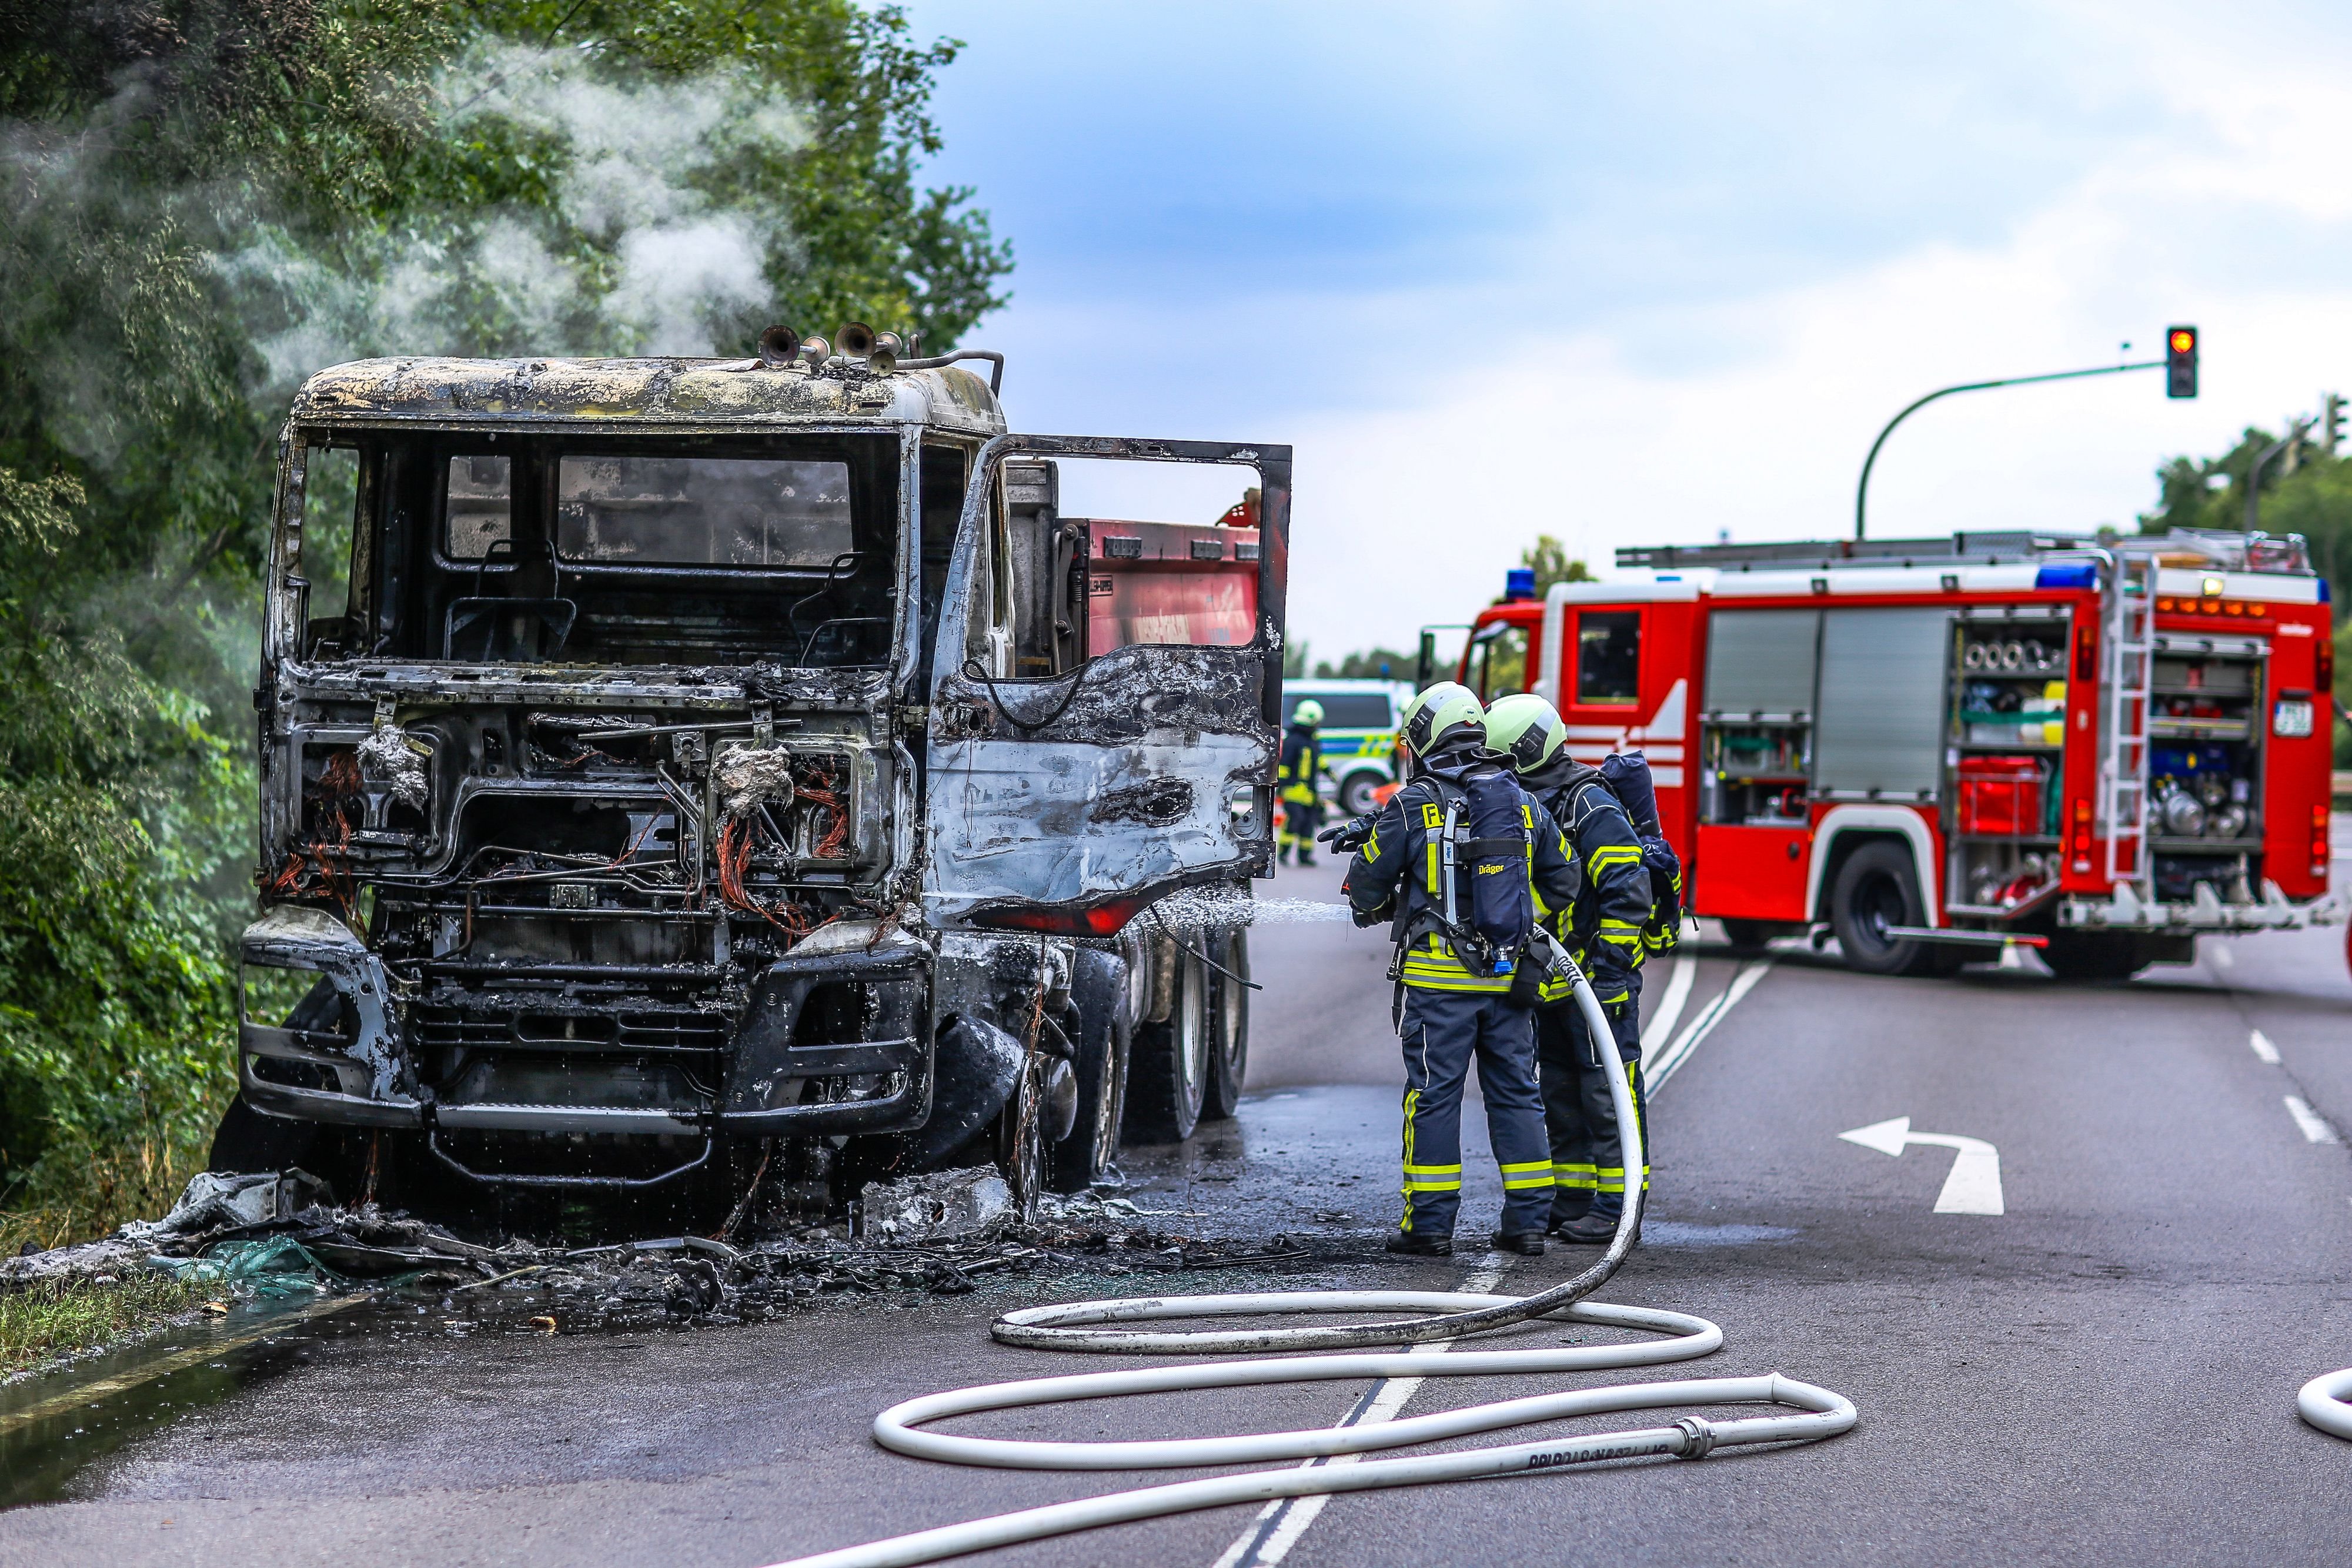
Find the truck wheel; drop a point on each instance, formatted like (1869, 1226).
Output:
(1169, 1077)
(1103, 1040)
(1355, 797)
(1876, 889)
(1229, 1027)
(2094, 955)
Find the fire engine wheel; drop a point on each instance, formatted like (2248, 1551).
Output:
(1104, 1038)
(1229, 1030)
(1358, 792)
(1876, 889)
(1167, 1081)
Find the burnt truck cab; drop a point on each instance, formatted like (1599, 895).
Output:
(699, 753)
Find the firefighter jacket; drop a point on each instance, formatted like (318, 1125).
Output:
(1397, 875)
(1302, 762)
(1602, 920)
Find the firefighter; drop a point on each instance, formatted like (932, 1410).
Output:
(1603, 928)
(1302, 765)
(1455, 1005)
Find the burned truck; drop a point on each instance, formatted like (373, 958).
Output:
(673, 769)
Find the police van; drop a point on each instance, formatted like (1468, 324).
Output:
(1359, 733)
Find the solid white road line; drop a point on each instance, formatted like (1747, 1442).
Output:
(1656, 1074)
(2314, 1125)
(1278, 1525)
(2263, 1048)
(1670, 1006)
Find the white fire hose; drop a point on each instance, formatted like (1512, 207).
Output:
(2326, 1403)
(1820, 1413)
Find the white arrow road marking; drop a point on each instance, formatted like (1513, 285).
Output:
(1974, 1185)
(2314, 1126)
(2263, 1048)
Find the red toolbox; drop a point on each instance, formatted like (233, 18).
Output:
(2000, 796)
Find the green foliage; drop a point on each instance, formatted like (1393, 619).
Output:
(1548, 558)
(50, 1321)
(208, 200)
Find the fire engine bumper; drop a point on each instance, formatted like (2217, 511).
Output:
(2127, 911)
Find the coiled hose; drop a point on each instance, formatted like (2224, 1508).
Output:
(2326, 1403)
(1098, 1326)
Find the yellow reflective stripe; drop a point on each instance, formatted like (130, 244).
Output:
(1519, 1184)
(1372, 847)
(1524, 1166)
(1433, 888)
(1432, 1184)
(1436, 1170)
(1608, 924)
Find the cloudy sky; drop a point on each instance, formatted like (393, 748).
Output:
(1599, 271)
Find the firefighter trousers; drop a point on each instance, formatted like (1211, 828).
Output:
(1302, 818)
(1579, 1114)
(1443, 1032)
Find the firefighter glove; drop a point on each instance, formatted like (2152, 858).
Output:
(1348, 836)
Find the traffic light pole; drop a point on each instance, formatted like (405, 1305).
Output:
(1862, 491)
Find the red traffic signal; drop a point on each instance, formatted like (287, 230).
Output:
(2181, 361)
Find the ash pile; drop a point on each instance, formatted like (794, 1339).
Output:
(945, 1233)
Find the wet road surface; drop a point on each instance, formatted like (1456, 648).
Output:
(2103, 1371)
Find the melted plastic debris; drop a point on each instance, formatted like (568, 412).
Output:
(943, 1205)
(749, 778)
(392, 758)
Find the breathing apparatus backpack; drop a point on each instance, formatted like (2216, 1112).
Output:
(1627, 775)
(1485, 907)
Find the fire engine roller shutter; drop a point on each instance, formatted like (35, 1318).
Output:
(1761, 662)
(1879, 732)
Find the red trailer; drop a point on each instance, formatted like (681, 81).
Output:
(2106, 745)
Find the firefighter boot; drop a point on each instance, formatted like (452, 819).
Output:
(1415, 1246)
(1598, 1228)
(1568, 1205)
(1526, 1243)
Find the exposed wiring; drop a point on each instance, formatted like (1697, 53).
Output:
(974, 670)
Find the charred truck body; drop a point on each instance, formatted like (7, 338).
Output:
(719, 757)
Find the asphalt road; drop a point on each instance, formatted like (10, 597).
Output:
(2102, 1373)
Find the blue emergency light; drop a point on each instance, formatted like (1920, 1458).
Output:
(1518, 583)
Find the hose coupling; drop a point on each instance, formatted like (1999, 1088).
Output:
(1698, 1438)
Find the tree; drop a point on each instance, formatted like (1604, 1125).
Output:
(206, 201)
(1548, 559)
(1371, 664)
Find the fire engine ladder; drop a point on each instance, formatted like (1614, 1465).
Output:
(2130, 680)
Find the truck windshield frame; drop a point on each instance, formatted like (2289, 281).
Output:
(584, 547)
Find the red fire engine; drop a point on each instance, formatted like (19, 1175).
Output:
(1936, 746)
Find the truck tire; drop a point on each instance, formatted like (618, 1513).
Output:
(1168, 1078)
(1875, 888)
(2095, 956)
(1103, 1041)
(1229, 1027)
(1355, 797)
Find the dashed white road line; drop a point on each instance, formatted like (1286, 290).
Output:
(2314, 1126)
(1656, 1074)
(2263, 1048)
(1278, 1525)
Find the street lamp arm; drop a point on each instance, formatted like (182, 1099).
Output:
(1862, 491)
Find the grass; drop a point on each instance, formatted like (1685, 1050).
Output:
(86, 1192)
(49, 1321)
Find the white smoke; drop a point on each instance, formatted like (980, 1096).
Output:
(638, 256)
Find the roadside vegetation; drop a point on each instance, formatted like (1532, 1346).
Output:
(52, 1320)
(209, 199)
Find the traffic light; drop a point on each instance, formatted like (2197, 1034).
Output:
(2181, 361)
(2332, 423)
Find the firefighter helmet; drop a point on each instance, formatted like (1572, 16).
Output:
(1437, 712)
(1308, 712)
(1526, 728)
